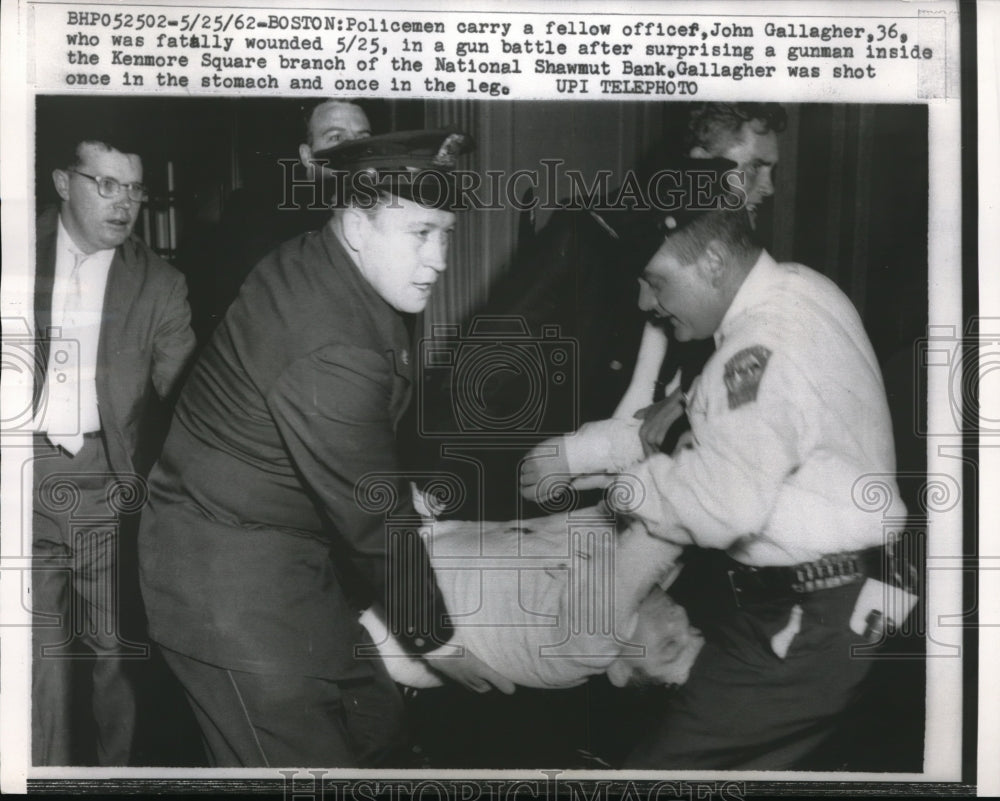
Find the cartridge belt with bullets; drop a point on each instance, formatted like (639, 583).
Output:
(752, 584)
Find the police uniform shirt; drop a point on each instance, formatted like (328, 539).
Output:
(792, 431)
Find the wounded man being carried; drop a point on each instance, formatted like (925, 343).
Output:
(550, 601)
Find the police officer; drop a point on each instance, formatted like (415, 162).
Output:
(256, 555)
(789, 417)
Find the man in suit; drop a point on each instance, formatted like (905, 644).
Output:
(260, 548)
(114, 331)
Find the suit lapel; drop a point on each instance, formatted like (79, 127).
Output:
(45, 270)
(119, 293)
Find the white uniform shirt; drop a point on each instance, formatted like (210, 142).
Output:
(790, 421)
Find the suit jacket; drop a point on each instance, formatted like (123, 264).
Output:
(144, 344)
(259, 541)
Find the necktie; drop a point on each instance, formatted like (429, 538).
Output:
(63, 379)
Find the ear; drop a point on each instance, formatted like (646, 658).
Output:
(619, 673)
(713, 261)
(305, 154)
(61, 180)
(354, 225)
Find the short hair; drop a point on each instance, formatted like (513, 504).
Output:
(308, 109)
(713, 125)
(68, 155)
(643, 681)
(733, 228)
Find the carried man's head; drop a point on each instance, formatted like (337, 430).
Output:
(395, 218)
(100, 184)
(745, 133)
(706, 248)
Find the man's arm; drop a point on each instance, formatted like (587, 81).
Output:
(726, 486)
(173, 340)
(652, 351)
(332, 410)
(587, 458)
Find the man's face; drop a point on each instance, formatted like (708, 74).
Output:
(332, 123)
(94, 222)
(681, 294)
(670, 645)
(402, 249)
(756, 155)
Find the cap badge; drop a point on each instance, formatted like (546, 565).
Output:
(449, 150)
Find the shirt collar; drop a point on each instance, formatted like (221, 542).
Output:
(753, 289)
(66, 244)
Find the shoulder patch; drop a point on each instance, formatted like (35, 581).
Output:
(743, 374)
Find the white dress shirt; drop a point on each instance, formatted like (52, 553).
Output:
(70, 408)
(545, 602)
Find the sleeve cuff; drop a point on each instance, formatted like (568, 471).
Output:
(604, 446)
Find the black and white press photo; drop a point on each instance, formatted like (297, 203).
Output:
(551, 398)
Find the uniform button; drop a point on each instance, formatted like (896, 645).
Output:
(419, 642)
(615, 365)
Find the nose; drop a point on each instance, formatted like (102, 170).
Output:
(647, 300)
(435, 253)
(765, 187)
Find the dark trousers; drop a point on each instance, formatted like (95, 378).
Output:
(255, 720)
(745, 707)
(76, 590)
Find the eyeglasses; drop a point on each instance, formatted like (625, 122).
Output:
(110, 188)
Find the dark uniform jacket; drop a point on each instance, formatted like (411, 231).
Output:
(144, 344)
(577, 275)
(254, 551)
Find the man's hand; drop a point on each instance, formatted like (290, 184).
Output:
(657, 419)
(467, 669)
(545, 459)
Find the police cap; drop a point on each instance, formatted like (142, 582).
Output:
(414, 165)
